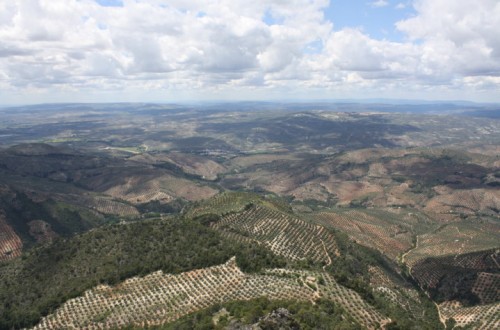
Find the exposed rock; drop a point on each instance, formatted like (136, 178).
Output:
(279, 319)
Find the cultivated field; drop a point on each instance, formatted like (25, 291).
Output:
(224, 203)
(284, 234)
(476, 317)
(389, 232)
(420, 188)
(455, 239)
(10, 244)
(160, 298)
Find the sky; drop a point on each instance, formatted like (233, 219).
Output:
(196, 50)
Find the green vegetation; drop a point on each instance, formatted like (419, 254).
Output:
(348, 173)
(222, 204)
(64, 219)
(155, 206)
(43, 278)
(350, 266)
(449, 278)
(452, 168)
(323, 315)
(351, 269)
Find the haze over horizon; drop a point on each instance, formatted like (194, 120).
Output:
(168, 51)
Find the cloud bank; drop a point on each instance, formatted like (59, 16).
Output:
(244, 49)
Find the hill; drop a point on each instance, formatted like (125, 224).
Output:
(45, 277)
(124, 215)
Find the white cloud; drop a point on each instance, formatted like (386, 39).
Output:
(379, 3)
(214, 47)
(460, 38)
(143, 39)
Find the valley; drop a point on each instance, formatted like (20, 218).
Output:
(164, 215)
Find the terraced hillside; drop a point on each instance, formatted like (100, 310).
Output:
(269, 222)
(320, 265)
(469, 278)
(454, 240)
(282, 233)
(118, 215)
(312, 240)
(10, 243)
(160, 298)
(476, 317)
(223, 204)
(391, 232)
(111, 254)
(456, 263)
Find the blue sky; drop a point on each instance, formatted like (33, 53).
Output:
(376, 21)
(110, 3)
(182, 50)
